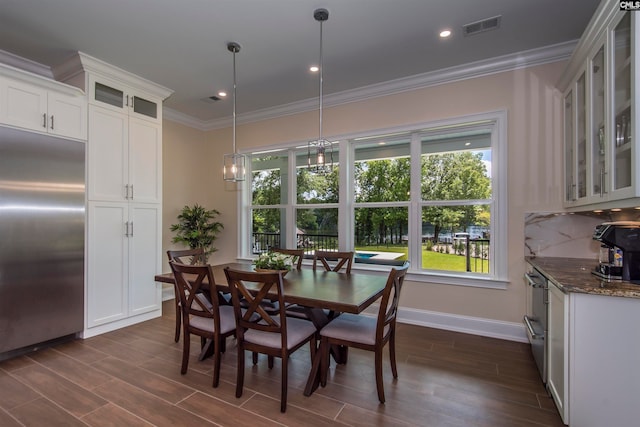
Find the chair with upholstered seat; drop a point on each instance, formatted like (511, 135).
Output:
(187, 256)
(202, 315)
(367, 333)
(273, 335)
(333, 261)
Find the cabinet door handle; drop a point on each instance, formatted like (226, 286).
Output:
(51, 121)
(527, 323)
(126, 228)
(531, 279)
(44, 120)
(131, 186)
(127, 100)
(126, 191)
(131, 234)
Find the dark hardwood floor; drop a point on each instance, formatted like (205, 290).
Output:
(131, 377)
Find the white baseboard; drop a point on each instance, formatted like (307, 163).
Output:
(112, 326)
(470, 325)
(167, 291)
(433, 319)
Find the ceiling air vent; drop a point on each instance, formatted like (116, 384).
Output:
(481, 26)
(212, 99)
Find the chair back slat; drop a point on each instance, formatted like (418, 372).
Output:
(334, 261)
(192, 283)
(256, 288)
(193, 256)
(388, 311)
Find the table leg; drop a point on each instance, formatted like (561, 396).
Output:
(339, 353)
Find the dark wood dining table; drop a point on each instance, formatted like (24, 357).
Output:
(317, 291)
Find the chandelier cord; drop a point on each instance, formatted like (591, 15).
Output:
(321, 82)
(234, 100)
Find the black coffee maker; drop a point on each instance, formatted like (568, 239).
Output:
(620, 251)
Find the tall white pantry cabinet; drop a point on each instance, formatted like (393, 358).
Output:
(124, 193)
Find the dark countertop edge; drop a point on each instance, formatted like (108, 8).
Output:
(573, 275)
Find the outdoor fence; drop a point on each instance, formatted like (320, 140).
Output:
(476, 251)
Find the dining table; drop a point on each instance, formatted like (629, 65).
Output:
(317, 291)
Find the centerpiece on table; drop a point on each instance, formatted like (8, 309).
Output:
(273, 261)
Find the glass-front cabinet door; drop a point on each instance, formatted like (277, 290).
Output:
(600, 95)
(597, 134)
(581, 138)
(568, 148)
(621, 102)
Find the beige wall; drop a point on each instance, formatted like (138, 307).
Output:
(192, 166)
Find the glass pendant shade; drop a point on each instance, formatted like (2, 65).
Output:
(320, 156)
(234, 167)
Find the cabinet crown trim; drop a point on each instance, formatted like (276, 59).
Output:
(38, 80)
(605, 14)
(81, 62)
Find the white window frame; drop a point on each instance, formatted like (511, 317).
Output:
(495, 122)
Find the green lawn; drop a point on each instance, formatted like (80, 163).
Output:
(435, 260)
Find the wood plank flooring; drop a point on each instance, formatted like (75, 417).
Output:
(131, 377)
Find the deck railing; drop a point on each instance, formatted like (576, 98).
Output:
(476, 251)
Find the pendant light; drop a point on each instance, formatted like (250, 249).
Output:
(234, 164)
(320, 152)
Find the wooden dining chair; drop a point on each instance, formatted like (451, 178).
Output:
(367, 333)
(297, 254)
(333, 261)
(187, 256)
(202, 315)
(273, 335)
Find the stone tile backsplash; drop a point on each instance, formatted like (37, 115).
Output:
(562, 234)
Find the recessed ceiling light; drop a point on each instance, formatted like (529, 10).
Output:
(445, 33)
(616, 210)
(466, 144)
(314, 68)
(222, 93)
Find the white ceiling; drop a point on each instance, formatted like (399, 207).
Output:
(181, 44)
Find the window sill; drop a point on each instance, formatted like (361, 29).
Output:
(477, 281)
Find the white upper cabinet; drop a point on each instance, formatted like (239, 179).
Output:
(38, 104)
(111, 94)
(600, 113)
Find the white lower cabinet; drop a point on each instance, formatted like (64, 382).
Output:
(557, 350)
(594, 344)
(124, 245)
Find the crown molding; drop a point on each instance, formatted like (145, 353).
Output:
(81, 62)
(190, 121)
(605, 14)
(25, 64)
(500, 64)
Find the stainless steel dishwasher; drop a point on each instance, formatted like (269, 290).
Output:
(536, 318)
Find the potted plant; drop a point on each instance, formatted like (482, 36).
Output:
(197, 228)
(274, 261)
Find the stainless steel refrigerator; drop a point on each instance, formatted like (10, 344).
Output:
(42, 217)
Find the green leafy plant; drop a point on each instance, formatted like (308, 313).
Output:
(274, 261)
(197, 228)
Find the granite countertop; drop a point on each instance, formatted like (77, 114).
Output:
(574, 275)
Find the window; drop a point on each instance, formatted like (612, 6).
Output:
(433, 194)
